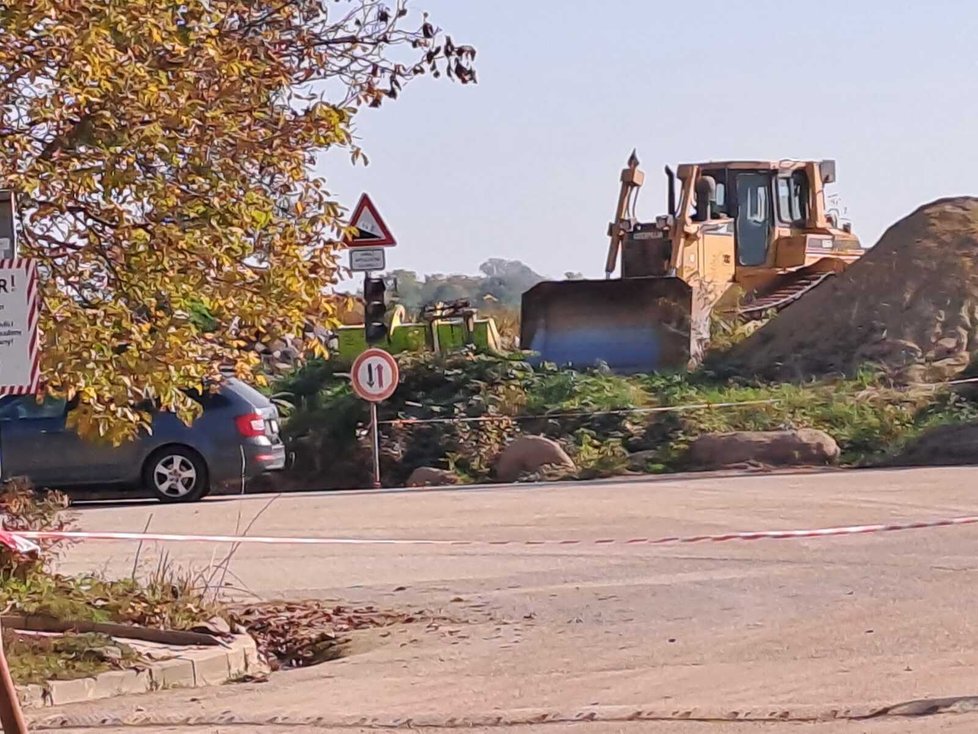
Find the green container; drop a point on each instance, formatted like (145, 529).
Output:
(414, 338)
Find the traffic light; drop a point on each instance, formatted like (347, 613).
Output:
(374, 310)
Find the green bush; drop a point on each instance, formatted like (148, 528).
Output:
(599, 417)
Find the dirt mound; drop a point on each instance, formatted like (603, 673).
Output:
(950, 445)
(909, 305)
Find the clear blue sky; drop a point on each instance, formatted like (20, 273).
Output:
(524, 165)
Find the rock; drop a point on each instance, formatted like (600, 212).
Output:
(939, 370)
(111, 653)
(949, 346)
(217, 626)
(891, 354)
(278, 346)
(427, 476)
(804, 447)
(529, 454)
(640, 460)
(941, 446)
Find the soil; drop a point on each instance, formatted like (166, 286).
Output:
(909, 306)
(951, 445)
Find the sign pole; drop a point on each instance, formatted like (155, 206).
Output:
(374, 377)
(375, 442)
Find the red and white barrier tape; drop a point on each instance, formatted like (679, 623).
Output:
(581, 413)
(285, 540)
(18, 543)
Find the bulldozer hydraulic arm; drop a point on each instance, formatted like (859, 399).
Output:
(632, 178)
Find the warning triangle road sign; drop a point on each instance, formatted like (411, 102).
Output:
(371, 230)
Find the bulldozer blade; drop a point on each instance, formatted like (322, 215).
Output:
(633, 325)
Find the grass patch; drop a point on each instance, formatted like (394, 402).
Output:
(565, 390)
(170, 602)
(40, 658)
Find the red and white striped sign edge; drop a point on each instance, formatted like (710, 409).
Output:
(372, 230)
(667, 540)
(33, 312)
(365, 391)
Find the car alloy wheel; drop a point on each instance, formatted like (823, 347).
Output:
(175, 476)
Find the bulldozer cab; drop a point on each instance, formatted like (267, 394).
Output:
(777, 207)
(746, 194)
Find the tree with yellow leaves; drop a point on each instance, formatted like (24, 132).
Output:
(161, 153)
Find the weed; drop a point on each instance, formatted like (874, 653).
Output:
(726, 330)
(23, 508)
(167, 600)
(39, 658)
(595, 458)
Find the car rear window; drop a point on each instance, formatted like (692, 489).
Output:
(245, 392)
(208, 400)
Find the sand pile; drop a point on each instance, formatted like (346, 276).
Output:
(909, 305)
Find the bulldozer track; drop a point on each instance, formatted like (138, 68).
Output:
(781, 297)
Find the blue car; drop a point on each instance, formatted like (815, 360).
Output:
(235, 438)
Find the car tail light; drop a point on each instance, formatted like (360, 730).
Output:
(251, 425)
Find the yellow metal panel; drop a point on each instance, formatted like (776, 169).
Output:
(789, 252)
(718, 264)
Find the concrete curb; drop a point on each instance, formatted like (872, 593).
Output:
(192, 668)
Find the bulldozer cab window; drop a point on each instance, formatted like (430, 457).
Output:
(793, 198)
(720, 205)
(754, 217)
(719, 208)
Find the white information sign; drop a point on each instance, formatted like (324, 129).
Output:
(367, 259)
(19, 352)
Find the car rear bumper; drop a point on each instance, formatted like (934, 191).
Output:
(262, 459)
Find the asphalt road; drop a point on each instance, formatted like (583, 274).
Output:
(793, 635)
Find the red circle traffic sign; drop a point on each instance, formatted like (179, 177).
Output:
(375, 375)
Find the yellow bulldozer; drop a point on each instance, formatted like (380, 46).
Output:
(745, 238)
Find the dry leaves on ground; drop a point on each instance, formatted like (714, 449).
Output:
(299, 634)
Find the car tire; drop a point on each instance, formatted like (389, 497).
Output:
(176, 474)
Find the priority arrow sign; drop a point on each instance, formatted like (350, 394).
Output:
(375, 375)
